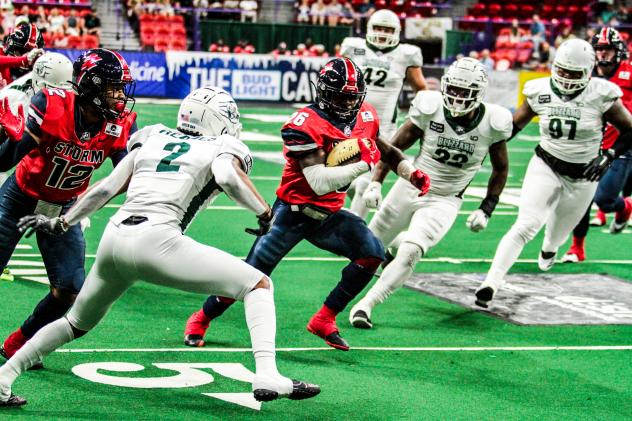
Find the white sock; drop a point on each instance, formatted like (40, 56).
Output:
(261, 320)
(506, 255)
(45, 341)
(394, 275)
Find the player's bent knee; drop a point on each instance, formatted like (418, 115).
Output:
(370, 264)
(76, 332)
(410, 253)
(64, 296)
(265, 283)
(527, 228)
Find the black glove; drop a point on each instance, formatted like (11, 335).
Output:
(32, 223)
(598, 166)
(265, 221)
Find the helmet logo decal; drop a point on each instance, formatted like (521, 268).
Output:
(89, 62)
(229, 110)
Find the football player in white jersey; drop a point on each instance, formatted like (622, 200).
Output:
(50, 70)
(386, 63)
(562, 176)
(169, 176)
(457, 130)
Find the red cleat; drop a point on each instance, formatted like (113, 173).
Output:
(599, 220)
(323, 325)
(13, 343)
(195, 329)
(575, 254)
(622, 217)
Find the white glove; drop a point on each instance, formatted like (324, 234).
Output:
(33, 55)
(373, 195)
(477, 221)
(85, 224)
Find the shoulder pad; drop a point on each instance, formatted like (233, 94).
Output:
(608, 90)
(141, 137)
(500, 120)
(413, 55)
(232, 145)
(350, 43)
(535, 86)
(428, 102)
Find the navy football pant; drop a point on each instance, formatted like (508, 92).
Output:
(342, 233)
(63, 256)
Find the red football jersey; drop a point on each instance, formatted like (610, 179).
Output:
(59, 169)
(310, 129)
(623, 78)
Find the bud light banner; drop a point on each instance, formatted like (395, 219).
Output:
(149, 70)
(247, 77)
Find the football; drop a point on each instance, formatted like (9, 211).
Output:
(345, 152)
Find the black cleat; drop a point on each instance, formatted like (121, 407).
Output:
(15, 401)
(195, 341)
(361, 320)
(336, 341)
(37, 366)
(484, 296)
(300, 390)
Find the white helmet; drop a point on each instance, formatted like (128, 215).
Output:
(52, 70)
(379, 39)
(573, 55)
(209, 111)
(463, 86)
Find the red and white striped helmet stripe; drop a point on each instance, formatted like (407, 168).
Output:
(127, 76)
(32, 42)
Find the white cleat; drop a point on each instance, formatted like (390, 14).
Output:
(360, 316)
(617, 227)
(546, 260)
(570, 258)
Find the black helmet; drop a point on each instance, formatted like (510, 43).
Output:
(608, 37)
(23, 39)
(98, 70)
(340, 89)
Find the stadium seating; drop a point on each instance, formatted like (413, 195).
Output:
(162, 32)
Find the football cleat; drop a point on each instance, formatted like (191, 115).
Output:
(13, 401)
(6, 275)
(360, 317)
(546, 260)
(265, 391)
(327, 329)
(195, 329)
(575, 254)
(599, 220)
(486, 292)
(622, 217)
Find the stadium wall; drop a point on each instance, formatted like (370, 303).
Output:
(264, 77)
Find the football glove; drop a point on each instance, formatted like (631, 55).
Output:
(421, 180)
(52, 226)
(598, 166)
(373, 195)
(265, 221)
(371, 155)
(33, 55)
(477, 221)
(12, 124)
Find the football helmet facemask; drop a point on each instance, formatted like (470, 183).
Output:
(103, 80)
(463, 86)
(209, 111)
(340, 89)
(572, 66)
(379, 38)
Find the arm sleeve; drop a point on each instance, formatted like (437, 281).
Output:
(12, 152)
(231, 146)
(35, 116)
(226, 176)
(324, 180)
(11, 62)
(103, 192)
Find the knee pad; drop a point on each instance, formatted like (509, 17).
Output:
(64, 296)
(370, 264)
(409, 253)
(527, 228)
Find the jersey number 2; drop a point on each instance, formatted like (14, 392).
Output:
(178, 149)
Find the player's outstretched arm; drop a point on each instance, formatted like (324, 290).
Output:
(96, 197)
(477, 221)
(521, 117)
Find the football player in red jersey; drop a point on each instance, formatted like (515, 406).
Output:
(22, 47)
(311, 196)
(65, 138)
(613, 64)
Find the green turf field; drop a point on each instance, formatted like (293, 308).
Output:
(425, 358)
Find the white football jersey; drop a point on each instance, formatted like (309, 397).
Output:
(384, 74)
(172, 179)
(571, 130)
(450, 154)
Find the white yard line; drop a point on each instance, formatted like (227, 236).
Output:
(367, 348)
